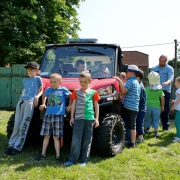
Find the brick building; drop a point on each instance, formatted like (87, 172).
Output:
(138, 58)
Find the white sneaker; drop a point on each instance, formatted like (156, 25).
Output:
(176, 139)
(83, 164)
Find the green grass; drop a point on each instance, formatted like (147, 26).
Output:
(156, 158)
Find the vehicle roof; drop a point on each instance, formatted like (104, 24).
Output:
(83, 44)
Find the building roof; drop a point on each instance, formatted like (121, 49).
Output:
(135, 57)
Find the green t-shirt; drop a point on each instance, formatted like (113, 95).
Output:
(153, 97)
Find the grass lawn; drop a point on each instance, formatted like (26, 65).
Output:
(155, 158)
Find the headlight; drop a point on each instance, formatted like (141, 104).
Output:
(104, 91)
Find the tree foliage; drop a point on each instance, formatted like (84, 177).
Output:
(26, 26)
(171, 62)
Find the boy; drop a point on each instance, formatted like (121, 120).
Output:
(176, 107)
(53, 120)
(155, 103)
(24, 109)
(83, 100)
(131, 92)
(142, 109)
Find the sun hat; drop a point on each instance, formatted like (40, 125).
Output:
(132, 68)
(154, 80)
(32, 64)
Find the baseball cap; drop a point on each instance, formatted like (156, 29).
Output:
(32, 64)
(132, 68)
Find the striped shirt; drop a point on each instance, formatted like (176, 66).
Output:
(84, 103)
(132, 97)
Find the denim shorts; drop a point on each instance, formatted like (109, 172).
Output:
(52, 123)
(152, 117)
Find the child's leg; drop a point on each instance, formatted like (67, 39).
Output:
(57, 146)
(76, 140)
(17, 122)
(147, 119)
(139, 124)
(57, 132)
(45, 144)
(155, 120)
(86, 141)
(27, 109)
(177, 123)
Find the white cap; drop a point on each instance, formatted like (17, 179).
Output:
(154, 80)
(132, 68)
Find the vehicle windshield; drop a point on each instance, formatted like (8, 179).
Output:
(69, 61)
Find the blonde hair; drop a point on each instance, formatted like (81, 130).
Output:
(178, 79)
(85, 74)
(56, 76)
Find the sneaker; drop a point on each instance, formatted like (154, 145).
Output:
(68, 163)
(139, 140)
(176, 139)
(14, 152)
(156, 134)
(8, 151)
(83, 164)
(40, 157)
(132, 145)
(58, 159)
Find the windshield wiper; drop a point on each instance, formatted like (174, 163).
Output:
(81, 50)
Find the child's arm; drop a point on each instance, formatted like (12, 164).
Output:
(68, 108)
(121, 86)
(176, 103)
(162, 103)
(96, 107)
(43, 102)
(72, 112)
(36, 99)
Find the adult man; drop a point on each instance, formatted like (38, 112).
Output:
(166, 73)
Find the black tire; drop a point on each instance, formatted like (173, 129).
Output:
(109, 137)
(10, 125)
(33, 136)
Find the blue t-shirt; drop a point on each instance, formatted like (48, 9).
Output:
(132, 97)
(165, 73)
(56, 100)
(31, 88)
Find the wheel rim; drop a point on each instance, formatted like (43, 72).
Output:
(116, 137)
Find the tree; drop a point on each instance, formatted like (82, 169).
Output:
(26, 26)
(171, 62)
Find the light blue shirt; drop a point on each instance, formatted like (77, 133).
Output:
(31, 88)
(166, 73)
(132, 97)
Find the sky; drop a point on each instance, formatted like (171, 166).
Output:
(131, 23)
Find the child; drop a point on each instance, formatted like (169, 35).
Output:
(131, 97)
(155, 103)
(53, 120)
(176, 107)
(122, 76)
(83, 100)
(24, 109)
(142, 109)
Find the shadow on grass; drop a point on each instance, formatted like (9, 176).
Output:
(165, 138)
(26, 159)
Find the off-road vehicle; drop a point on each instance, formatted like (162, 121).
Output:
(108, 138)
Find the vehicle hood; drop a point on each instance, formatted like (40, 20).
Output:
(73, 83)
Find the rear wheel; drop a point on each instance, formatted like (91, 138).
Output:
(33, 136)
(109, 137)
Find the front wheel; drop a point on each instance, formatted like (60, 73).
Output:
(109, 137)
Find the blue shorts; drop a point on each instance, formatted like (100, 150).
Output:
(52, 124)
(152, 117)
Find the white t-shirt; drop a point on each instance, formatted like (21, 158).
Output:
(178, 106)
